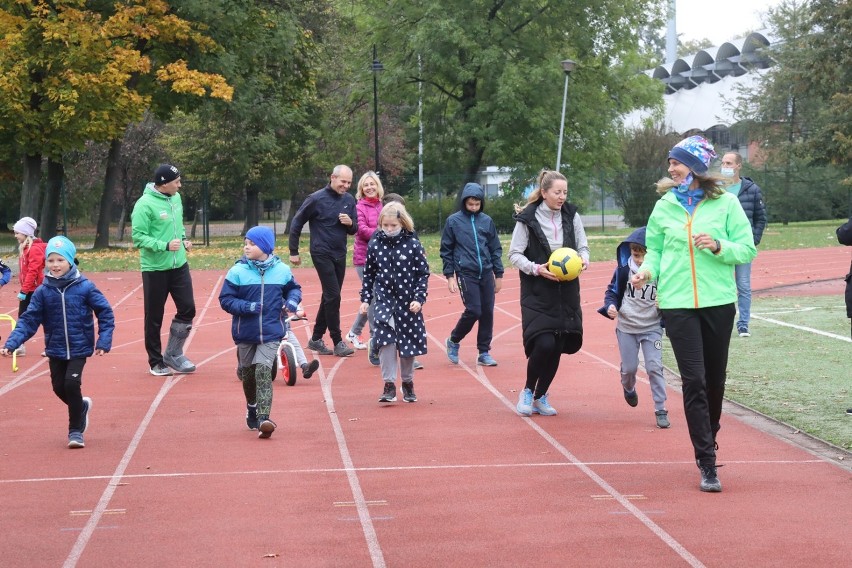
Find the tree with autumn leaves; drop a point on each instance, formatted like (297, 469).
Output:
(73, 71)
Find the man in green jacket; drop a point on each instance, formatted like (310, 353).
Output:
(159, 234)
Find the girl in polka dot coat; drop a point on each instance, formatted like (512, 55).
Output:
(396, 277)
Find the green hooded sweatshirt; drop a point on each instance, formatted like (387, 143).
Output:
(157, 219)
(686, 276)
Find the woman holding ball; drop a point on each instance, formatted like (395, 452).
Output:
(551, 318)
(697, 232)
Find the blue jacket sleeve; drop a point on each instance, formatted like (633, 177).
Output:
(611, 296)
(106, 318)
(448, 243)
(496, 251)
(5, 274)
(28, 323)
(292, 295)
(231, 303)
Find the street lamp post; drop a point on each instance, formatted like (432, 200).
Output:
(567, 66)
(376, 67)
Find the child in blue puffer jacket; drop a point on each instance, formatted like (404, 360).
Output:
(256, 291)
(64, 304)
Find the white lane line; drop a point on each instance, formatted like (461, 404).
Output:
(803, 328)
(25, 377)
(668, 539)
(454, 467)
(115, 480)
(361, 503)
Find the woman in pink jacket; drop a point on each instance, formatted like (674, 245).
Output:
(368, 207)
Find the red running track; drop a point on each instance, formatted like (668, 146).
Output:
(170, 476)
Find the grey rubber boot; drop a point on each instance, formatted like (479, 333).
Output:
(173, 356)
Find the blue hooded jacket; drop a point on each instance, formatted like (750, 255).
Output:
(615, 291)
(469, 244)
(255, 296)
(64, 306)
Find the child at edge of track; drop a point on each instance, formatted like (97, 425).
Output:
(64, 304)
(256, 290)
(638, 326)
(30, 263)
(396, 277)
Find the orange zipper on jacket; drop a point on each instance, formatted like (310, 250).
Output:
(689, 219)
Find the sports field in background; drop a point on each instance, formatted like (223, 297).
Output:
(797, 373)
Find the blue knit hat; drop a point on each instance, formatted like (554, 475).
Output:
(263, 237)
(61, 246)
(695, 152)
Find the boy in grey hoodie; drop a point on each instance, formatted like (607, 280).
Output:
(639, 325)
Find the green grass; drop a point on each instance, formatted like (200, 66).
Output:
(795, 376)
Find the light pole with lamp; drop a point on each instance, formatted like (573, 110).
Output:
(376, 67)
(567, 66)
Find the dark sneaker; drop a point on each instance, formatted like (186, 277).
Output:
(742, 330)
(343, 350)
(417, 365)
(408, 392)
(486, 360)
(308, 369)
(389, 394)
(662, 419)
(251, 417)
(319, 346)
(160, 370)
(267, 427)
(372, 354)
(709, 481)
(632, 397)
(75, 440)
(87, 406)
(452, 351)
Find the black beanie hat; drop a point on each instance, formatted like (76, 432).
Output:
(165, 173)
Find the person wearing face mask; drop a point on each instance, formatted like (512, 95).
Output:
(396, 282)
(551, 318)
(695, 235)
(751, 199)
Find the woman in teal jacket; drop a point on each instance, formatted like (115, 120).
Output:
(696, 234)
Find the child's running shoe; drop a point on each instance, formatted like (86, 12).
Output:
(251, 417)
(389, 394)
(408, 392)
(355, 341)
(486, 360)
(267, 427)
(373, 353)
(308, 369)
(452, 351)
(75, 440)
(662, 419)
(87, 406)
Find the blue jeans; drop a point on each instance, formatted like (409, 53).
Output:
(743, 277)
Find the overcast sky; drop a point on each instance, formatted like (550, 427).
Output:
(719, 20)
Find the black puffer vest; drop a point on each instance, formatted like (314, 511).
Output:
(548, 306)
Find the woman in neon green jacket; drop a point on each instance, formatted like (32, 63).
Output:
(697, 232)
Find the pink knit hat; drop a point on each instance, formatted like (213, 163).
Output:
(26, 226)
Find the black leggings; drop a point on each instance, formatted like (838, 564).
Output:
(700, 339)
(542, 363)
(66, 377)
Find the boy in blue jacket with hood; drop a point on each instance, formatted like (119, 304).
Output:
(64, 304)
(256, 291)
(472, 256)
(639, 325)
